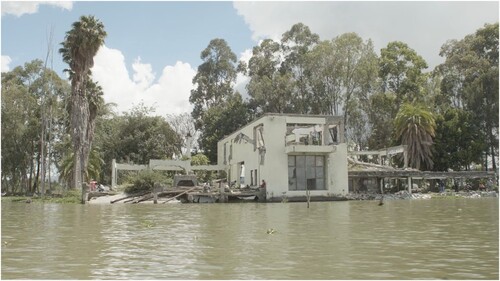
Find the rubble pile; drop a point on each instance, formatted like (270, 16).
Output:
(404, 195)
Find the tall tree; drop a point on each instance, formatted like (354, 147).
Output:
(401, 80)
(214, 79)
(78, 50)
(344, 73)
(145, 137)
(27, 91)
(381, 114)
(268, 88)
(458, 142)
(295, 44)
(470, 81)
(213, 97)
(220, 121)
(415, 127)
(401, 72)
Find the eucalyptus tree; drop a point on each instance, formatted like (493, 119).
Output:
(401, 79)
(214, 79)
(79, 47)
(381, 114)
(415, 127)
(27, 91)
(269, 88)
(401, 71)
(18, 117)
(344, 72)
(470, 81)
(218, 110)
(326, 81)
(296, 43)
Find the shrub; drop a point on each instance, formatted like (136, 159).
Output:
(144, 181)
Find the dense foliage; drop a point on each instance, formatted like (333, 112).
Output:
(144, 181)
(33, 102)
(135, 137)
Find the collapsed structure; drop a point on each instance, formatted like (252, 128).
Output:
(297, 158)
(295, 155)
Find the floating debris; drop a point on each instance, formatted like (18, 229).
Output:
(271, 231)
(148, 224)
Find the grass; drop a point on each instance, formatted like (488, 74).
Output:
(69, 196)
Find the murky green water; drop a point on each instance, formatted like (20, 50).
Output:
(418, 239)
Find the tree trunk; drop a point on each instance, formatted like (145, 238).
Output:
(79, 118)
(37, 176)
(42, 158)
(89, 136)
(492, 147)
(28, 188)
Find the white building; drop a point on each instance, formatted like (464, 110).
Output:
(292, 153)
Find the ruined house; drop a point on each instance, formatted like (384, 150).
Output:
(294, 154)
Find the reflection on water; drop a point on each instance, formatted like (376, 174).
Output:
(416, 239)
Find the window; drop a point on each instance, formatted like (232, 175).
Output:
(333, 134)
(306, 172)
(251, 177)
(225, 153)
(258, 136)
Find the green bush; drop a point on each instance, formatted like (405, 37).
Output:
(144, 181)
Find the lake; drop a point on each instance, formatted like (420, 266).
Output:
(403, 239)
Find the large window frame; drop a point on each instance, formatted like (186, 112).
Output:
(306, 172)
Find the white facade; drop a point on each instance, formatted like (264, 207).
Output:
(292, 153)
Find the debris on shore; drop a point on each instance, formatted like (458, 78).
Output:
(404, 195)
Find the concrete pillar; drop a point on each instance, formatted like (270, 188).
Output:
(222, 195)
(113, 173)
(409, 184)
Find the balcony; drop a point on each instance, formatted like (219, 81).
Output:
(310, 149)
(309, 138)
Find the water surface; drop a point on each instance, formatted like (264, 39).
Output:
(406, 239)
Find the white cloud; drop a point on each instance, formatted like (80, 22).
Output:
(143, 74)
(6, 60)
(424, 26)
(19, 8)
(241, 79)
(169, 94)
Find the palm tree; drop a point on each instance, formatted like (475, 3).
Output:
(78, 50)
(93, 170)
(415, 126)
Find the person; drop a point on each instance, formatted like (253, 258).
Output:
(263, 184)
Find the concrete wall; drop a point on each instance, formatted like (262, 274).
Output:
(275, 168)
(337, 170)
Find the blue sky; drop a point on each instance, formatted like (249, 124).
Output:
(153, 48)
(160, 33)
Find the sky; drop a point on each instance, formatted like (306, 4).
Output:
(152, 50)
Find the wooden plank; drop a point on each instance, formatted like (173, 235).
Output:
(126, 197)
(179, 195)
